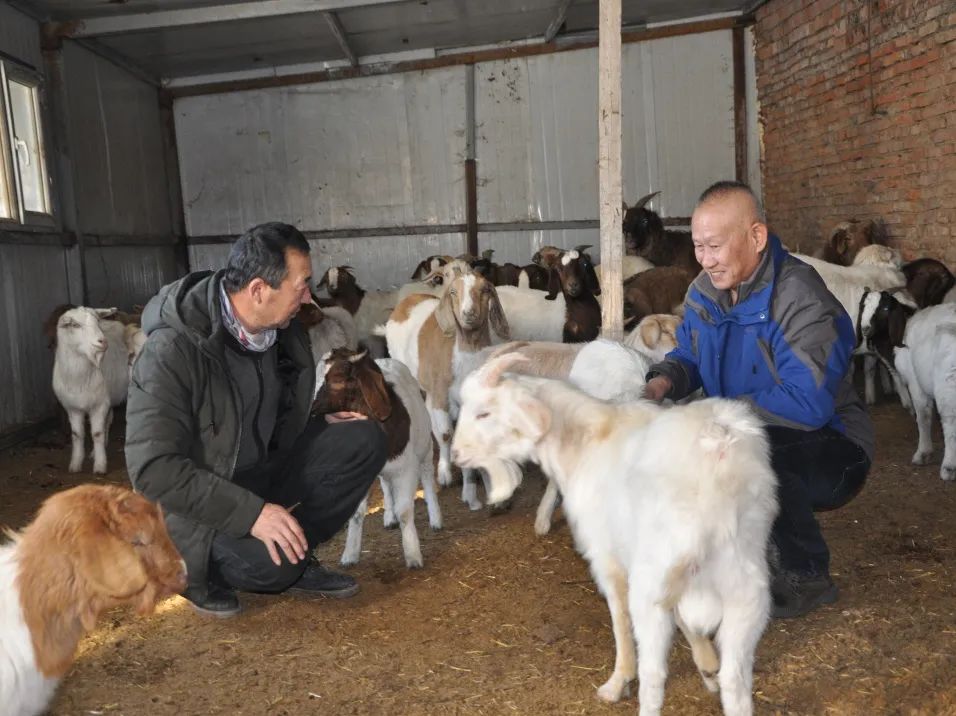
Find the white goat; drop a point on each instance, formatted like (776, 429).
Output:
(603, 369)
(135, 339)
(531, 316)
(875, 267)
(672, 508)
(927, 364)
(386, 391)
(90, 377)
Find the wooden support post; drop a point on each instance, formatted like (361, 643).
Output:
(609, 167)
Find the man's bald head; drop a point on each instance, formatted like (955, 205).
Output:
(740, 194)
(729, 233)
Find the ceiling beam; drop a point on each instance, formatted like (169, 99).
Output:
(140, 22)
(335, 26)
(558, 21)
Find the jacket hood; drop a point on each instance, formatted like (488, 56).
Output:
(189, 306)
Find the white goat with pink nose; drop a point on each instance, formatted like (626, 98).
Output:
(672, 508)
(90, 377)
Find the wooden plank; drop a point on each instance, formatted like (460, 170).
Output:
(740, 105)
(609, 168)
(335, 25)
(449, 60)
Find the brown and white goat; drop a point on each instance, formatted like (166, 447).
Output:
(386, 392)
(430, 265)
(329, 328)
(437, 338)
(655, 335)
(569, 313)
(89, 548)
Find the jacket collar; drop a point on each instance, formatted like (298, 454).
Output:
(753, 296)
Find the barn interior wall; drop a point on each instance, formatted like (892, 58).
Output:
(389, 151)
(115, 165)
(858, 105)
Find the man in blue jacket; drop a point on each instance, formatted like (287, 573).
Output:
(760, 325)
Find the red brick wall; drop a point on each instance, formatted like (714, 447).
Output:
(845, 137)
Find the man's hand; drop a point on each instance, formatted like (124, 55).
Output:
(657, 387)
(276, 528)
(344, 416)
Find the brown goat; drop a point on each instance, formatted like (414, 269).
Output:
(645, 235)
(657, 290)
(576, 279)
(928, 281)
(848, 237)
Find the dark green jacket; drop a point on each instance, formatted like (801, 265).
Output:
(183, 419)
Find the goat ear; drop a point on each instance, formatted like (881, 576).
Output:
(591, 278)
(840, 241)
(497, 317)
(372, 384)
(532, 417)
(445, 314)
(554, 284)
(897, 325)
(324, 282)
(108, 565)
(651, 332)
(421, 271)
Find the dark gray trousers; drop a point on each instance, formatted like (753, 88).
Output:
(328, 472)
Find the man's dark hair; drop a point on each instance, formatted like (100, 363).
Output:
(260, 253)
(729, 186)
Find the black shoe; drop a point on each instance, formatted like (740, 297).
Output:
(317, 581)
(217, 601)
(797, 594)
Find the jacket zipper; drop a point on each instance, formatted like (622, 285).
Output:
(255, 418)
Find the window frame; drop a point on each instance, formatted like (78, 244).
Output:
(9, 163)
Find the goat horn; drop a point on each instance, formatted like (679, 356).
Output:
(644, 199)
(357, 357)
(581, 247)
(494, 369)
(486, 254)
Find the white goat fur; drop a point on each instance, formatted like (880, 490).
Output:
(90, 377)
(672, 508)
(849, 283)
(401, 475)
(337, 330)
(603, 369)
(927, 364)
(531, 317)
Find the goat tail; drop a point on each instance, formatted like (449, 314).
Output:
(378, 330)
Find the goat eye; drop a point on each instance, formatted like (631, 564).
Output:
(138, 542)
(481, 416)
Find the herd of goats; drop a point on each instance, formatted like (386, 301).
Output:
(490, 366)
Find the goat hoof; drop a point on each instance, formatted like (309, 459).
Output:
(710, 681)
(542, 528)
(948, 473)
(921, 458)
(414, 562)
(391, 525)
(75, 468)
(99, 469)
(500, 508)
(612, 691)
(436, 526)
(348, 561)
(474, 505)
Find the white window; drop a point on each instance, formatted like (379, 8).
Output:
(24, 179)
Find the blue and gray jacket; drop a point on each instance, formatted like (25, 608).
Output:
(785, 348)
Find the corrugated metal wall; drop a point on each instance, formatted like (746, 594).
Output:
(119, 177)
(118, 172)
(389, 151)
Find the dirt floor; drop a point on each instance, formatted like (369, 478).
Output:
(500, 621)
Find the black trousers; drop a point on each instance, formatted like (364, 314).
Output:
(328, 471)
(816, 470)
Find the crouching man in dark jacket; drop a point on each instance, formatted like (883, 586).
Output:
(219, 433)
(761, 326)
